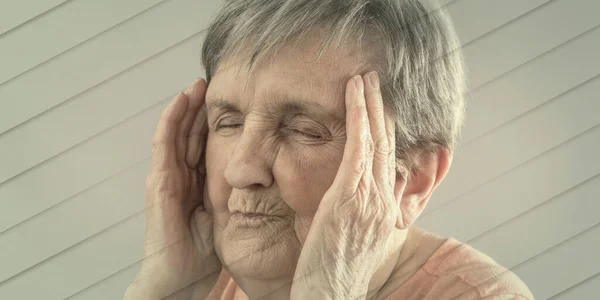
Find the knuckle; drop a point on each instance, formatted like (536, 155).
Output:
(359, 113)
(370, 150)
(359, 168)
(391, 154)
(347, 195)
(381, 150)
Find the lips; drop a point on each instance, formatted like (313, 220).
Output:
(252, 215)
(255, 220)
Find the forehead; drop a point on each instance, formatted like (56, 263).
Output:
(293, 74)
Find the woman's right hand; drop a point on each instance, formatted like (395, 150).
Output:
(180, 261)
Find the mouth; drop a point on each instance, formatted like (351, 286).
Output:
(251, 215)
(253, 219)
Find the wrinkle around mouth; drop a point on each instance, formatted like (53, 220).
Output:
(255, 214)
(270, 208)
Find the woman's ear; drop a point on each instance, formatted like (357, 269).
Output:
(415, 193)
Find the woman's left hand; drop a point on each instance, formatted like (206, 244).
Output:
(349, 235)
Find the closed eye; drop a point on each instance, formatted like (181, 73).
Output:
(308, 135)
(292, 131)
(230, 126)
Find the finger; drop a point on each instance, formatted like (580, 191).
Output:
(354, 160)
(198, 131)
(194, 106)
(390, 126)
(378, 132)
(197, 139)
(163, 142)
(390, 129)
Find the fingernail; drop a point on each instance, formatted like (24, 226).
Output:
(374, 79)
(358, 82)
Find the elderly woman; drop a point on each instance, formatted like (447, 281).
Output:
(298, 169)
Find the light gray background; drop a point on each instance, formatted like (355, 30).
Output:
(82, 84)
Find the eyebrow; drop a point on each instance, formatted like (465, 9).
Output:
(222, 104)
(289, 105)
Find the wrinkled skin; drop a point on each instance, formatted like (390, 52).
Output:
(266, 157)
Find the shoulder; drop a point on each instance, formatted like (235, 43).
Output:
(468, 273)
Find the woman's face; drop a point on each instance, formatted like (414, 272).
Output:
(273, 150)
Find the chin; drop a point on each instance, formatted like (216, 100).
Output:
(259, 251)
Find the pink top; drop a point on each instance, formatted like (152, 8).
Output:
(455, 271)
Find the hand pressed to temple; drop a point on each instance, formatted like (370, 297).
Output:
(179, 256)
(356, 217)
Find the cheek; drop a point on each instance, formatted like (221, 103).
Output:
(216, 188)
(304, 174)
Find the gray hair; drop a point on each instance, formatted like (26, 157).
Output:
(416, 54)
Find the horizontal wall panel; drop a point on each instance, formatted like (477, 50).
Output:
(472, 18)
(113, 287)
(14, 12)
(100, 108)
(433, 5)
(79, 168)
(527, 234)
(583, 290)
(527, 37)
(517, 92)
(563, 266)
(101, 58)
(93, 210)
(519, 141)
(81, 266)
(518, 191)
(53, 33)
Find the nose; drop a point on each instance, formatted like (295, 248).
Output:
(249, 166)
